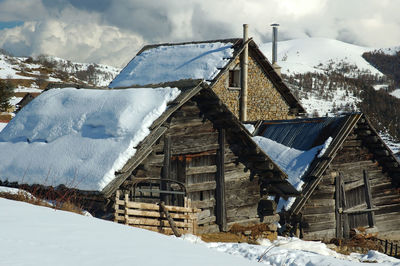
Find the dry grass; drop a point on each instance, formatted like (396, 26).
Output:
(23, 82)
(57, 204)
(5, 118)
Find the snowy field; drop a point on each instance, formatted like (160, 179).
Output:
(315, 54)
(34, 235)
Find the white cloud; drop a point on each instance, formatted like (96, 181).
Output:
(111, 31)
(78, 38)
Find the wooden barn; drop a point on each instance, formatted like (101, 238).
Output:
(195, 154)
(235, 69)
(353, 182)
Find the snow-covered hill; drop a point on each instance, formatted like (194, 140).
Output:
(319, 55)
(329, 76)
(34, 235)
(30, 74)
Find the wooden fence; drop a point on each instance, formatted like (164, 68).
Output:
(389, 248)
(149, 216)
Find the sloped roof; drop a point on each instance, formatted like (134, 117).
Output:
(78, 137)
(172, 62)
(92, 139)
(307, 134)
(206, 60)
(301, 134)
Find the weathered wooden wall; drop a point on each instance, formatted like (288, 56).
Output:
(318, 213)
(194, 149)
(355, 157)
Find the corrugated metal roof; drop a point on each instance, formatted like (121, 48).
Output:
(301, 134)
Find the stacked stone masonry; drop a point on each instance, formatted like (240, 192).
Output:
(263, 99)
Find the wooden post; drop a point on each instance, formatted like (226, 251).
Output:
(391, 248)
(126, 207)
(220, 183)
(339, 228)
(395, 252)
(343, 204)
(368, 199)
(116, 206)
(386, 246)
(166, 167)
(170, 220)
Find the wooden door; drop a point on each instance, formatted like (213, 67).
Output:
(353, 205)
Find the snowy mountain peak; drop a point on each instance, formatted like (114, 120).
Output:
(318, 54)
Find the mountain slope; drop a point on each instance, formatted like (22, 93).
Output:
(330, 77)
(318, 55)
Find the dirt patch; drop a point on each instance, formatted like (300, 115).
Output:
(243, 234)
(361, 241)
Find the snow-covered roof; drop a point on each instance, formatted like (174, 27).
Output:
(166, 63)
(293, 162)
(78, 137)
(294, 144)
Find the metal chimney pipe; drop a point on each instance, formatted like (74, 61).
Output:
(274, 42)
(244, 70)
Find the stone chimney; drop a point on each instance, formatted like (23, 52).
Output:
(275, 65)
(244, 64)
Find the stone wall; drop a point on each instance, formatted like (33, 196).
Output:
(263, 100)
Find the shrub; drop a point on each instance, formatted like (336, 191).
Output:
(6, 92)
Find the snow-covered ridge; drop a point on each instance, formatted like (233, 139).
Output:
(62, 70)
(78, 137)
(317, 55)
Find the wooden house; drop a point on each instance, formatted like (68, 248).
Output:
(353, 182)
(235, 69)
(195, 150)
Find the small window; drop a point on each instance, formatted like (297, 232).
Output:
(234, 77)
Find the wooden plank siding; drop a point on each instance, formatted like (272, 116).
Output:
(201, 157)
(357, 164)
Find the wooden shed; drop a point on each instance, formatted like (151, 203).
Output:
(195, 152)
(354, 182)
(200, 144)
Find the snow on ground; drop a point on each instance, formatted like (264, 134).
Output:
(390, 50)
(396, 93)
(33, 88)
(339, 99)
(378, 87)
(315, 54)
(8, 69)
(63, 135)
(33, 235)
(9, 190)
(14, 100)
(293, 252)
(292, 161)
(175, 62)
(2, 126)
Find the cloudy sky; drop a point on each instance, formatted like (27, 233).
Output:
(112, 31)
